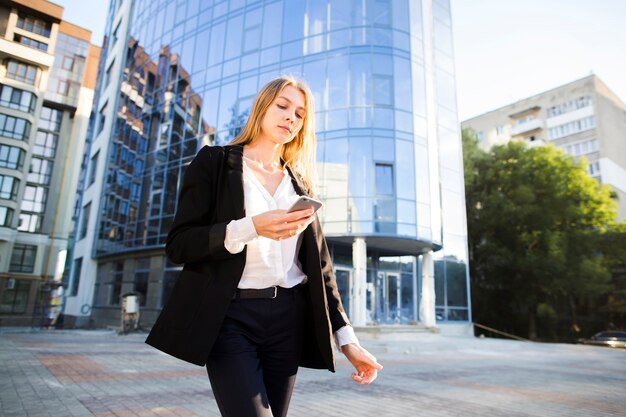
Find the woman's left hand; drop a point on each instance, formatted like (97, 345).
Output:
(364, 362)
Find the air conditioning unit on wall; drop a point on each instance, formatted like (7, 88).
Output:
(10, 284)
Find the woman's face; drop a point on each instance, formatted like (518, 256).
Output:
(284, 118)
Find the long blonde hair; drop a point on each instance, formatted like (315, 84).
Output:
(299, 153)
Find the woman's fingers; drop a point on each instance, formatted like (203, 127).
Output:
(278, 224)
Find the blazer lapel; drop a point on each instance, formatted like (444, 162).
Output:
(235, 179)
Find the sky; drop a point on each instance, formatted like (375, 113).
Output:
(505, 50)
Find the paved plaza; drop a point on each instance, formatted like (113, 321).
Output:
(98, 373)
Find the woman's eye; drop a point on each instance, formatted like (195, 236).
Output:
(299, 116)
(280, 106)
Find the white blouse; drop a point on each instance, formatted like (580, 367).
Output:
(270, 262)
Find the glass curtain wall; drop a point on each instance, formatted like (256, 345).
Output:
(189, 76)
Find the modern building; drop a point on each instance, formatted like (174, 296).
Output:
(584, 118)
(175, 76)
(47, 77)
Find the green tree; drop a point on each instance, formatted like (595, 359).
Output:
(535, 219)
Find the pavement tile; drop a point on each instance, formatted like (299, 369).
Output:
(98, 373)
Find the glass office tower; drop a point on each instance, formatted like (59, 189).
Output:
(177, 75)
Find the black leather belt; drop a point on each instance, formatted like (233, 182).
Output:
(263, 293)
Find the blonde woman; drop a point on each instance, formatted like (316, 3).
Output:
(257, 296)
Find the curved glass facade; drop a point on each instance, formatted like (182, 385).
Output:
(390, 169)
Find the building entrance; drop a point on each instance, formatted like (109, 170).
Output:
(388, 297)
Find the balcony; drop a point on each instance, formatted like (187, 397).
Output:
(526, 127)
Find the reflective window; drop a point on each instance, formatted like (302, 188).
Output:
(34, 24)
(45, 144)
(76, 270)
(30, 42)
(14, 127)
(50, 119)
(23, 258)
(93, 168)
(30, 222)
(384, 179)
(11, 157)
(6, 216)
(17, 99)
(84, 221)
(34, 198)
(15, 299)
(20, 71)
(40, 171)
(8, 187)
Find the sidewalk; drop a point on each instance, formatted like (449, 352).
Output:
(98, 373)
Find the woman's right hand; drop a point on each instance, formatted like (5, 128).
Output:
(278, 224)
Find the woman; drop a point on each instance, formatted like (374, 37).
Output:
(257, 295)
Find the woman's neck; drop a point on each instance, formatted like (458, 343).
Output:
(264, 153)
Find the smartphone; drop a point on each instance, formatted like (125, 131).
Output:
(303, 202)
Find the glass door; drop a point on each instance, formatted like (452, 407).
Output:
(388, 301)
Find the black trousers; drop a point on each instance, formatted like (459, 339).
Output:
(253, 364)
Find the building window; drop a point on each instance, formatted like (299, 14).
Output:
(480, 136)
(6, 216)
(594, 169)
(107, 74)
(20, 71)
(572, 128)
(34, 25)
(499, 130)
(14, 127)
(116, 283)
(76, 271)
(68, 63)
(31, 43)
(116, 33)
(23, 258)
(93, 168)
(35, 198)
(15, 296)
(384, 179)
(40, 171)
(582, 148)
(382, 15)
(85, 221)
(17, 99)
(383, 90)
(11, 157)
(142, 275)
(102, 117)
(569, 106)
(30, 222)
(251, 39)
(8, 187)
(50, 119)
(45, 144)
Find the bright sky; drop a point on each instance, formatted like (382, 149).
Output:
(505, 50)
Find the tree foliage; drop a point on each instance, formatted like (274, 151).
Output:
(536, 223)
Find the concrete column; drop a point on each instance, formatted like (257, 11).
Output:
(359, 281)
(427, 300)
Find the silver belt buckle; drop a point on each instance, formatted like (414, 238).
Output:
(275, 292)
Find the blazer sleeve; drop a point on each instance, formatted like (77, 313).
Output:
(337, 314)
(192, 237)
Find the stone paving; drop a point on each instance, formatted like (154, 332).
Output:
(98, 373)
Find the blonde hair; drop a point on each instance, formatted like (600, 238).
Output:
(299, 153)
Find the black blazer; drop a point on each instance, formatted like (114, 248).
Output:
(211, 196)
